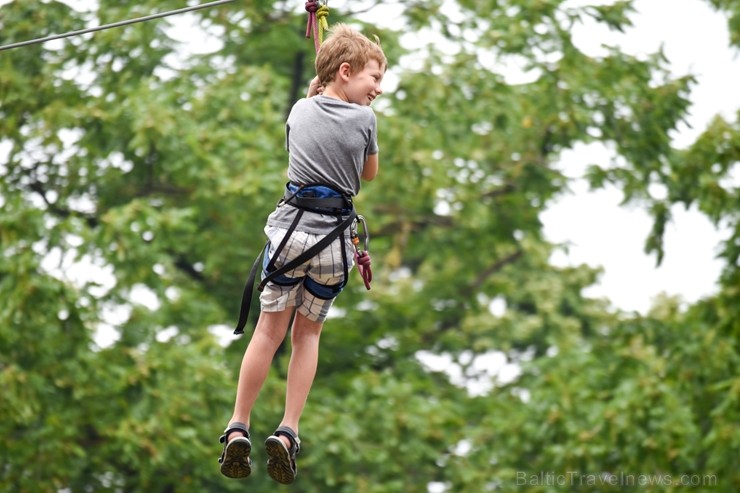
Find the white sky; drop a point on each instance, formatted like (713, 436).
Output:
(695, 40)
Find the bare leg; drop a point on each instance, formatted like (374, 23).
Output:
(304, 360)
(268, 335)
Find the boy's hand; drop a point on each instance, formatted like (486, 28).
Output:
(314, 87)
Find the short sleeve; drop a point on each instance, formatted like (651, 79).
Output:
(373, 141)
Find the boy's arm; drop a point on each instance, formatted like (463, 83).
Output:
(370, 170)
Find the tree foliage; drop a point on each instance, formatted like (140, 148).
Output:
(136, 175)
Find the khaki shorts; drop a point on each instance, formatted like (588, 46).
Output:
(312, 286)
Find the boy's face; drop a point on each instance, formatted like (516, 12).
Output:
(364, 86)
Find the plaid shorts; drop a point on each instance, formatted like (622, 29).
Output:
(312, 286)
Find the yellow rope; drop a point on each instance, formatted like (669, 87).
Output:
(321, 14)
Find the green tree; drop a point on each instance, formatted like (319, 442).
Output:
(154, 167)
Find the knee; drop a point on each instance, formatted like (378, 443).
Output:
(271, 328)
(272, 336)
(305, 329)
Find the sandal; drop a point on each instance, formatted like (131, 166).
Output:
(235, 461)
(281, 464)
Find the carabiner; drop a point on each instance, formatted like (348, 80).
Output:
(366, 233)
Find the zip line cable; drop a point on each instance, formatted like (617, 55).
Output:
(115, 24)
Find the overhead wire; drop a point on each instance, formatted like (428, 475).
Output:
(114, 24)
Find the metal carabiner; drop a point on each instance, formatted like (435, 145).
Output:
(366, 233)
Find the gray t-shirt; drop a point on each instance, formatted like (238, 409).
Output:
(328, 141)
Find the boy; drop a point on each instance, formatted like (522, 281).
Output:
(331, 138)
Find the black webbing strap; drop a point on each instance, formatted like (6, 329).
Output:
(300, 259)
(247, 295)
(319, 204)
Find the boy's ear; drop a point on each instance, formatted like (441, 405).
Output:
(344, 71)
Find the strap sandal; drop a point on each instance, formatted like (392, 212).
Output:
(235, 461)
(281, 465)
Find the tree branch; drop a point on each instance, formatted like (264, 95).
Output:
(93, 222)
(491, 270)
(38, 187)
(499, 192)
(186, 267)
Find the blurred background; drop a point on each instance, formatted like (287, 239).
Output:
(554, 229)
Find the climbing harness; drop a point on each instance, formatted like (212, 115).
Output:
(321, 199)
(317, 22)
(114, 24)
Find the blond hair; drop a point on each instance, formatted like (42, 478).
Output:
(345, 45)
